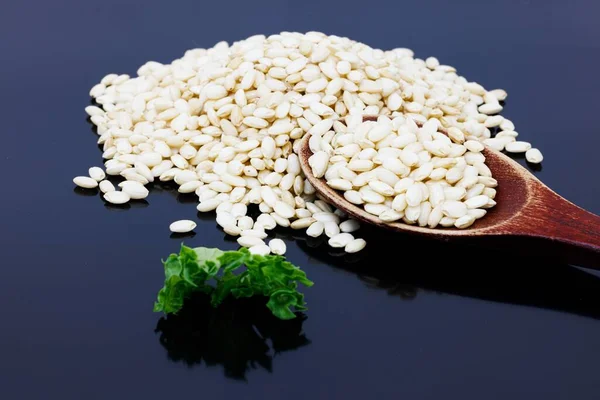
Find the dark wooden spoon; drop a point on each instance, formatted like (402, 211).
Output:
(528, 216)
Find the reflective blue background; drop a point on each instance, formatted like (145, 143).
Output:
(78, 278)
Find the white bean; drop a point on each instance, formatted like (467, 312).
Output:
(249, 241)
(116, 197)
(316, 229)
(96, 173)
(349, 226)
(85, 182)
(355, 246)
(534, 156)
(260, 250)
(277, 246)
(106, 186)
(227, 123)
(340, 240)
(181, 226)
(135, 190)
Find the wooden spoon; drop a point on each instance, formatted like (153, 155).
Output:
(528, 216)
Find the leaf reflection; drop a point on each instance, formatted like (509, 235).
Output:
(240, 335)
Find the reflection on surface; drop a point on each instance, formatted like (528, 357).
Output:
(184, 235)
(85, 192)
(187, 198)
(162, 187)
(535, 167)
(138, 203)
(236, 335)
(403, 266)
(116, 207)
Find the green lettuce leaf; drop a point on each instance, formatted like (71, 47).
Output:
(195, 270)
(186, 273)
(231, 260)
(206, 254)
(280, 302)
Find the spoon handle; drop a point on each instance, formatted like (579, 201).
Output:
(567, 229)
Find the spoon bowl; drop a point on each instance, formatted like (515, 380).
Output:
(526, 211)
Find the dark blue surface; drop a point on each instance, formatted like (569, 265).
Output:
(79, 279)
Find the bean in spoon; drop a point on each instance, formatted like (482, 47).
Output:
(527, 214)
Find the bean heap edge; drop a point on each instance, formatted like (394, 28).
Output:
(225, 123)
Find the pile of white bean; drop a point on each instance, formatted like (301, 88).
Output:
(397, 171)
(225, 123)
